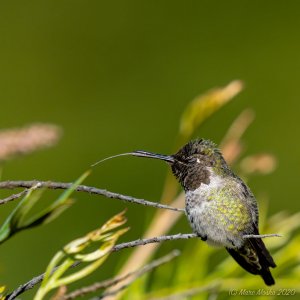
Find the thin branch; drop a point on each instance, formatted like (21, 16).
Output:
(13, 197)
(111, 282)
(141, 272)
(83, 188)
(140, 242)
(96, 286)
(261, 236)
(161, 224)
(34, 281)
(31, 283)
(158, 239)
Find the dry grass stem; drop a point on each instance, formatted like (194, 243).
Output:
(260, 163)
(231, 144)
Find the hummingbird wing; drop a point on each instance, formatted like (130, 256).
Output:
(254, 257)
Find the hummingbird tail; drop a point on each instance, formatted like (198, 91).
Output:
(265, 260)
(267, 277)
(255, 258)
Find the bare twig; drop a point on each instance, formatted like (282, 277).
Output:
(111, 282)
(30, 284)
(157, 239)
(161, 223)
(13, 197)
(19, 195)
(34, 281)
(261, 236)
(140, 242)
(96, 286)
(83, 188)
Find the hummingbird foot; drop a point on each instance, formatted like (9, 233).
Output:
(202, 237)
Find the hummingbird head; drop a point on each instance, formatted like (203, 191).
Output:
(195, 162)
(191, 165)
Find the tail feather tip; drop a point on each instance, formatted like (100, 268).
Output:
(268, 278)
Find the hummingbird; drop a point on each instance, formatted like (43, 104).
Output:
(220, 207)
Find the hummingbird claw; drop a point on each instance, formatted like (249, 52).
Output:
(203, 238)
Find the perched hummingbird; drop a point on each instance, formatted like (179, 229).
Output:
(220, 207)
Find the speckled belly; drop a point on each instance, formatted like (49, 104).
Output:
(223, 220)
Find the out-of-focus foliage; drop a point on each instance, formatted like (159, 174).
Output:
(76, 251)
(201, 272)
(14, 142)
(2, 289)
(204, 106)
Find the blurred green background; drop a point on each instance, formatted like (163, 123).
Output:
(116, 77)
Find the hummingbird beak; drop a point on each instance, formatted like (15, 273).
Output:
(140, 153)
